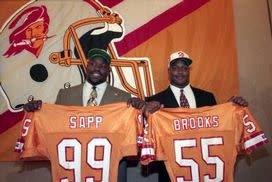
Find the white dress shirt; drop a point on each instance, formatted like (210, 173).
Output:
(188, 92)
(88, 88)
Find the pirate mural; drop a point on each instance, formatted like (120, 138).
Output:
(31, 34)
(44, 46)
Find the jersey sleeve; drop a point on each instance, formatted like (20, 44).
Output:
(28, 142)
(148, 143)
(140, 130)
(252, 135)
(129, 144)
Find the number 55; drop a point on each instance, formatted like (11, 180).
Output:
(205, 143)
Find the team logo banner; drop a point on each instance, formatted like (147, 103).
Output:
(44, 44)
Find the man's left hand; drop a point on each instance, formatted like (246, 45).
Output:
(239, 101)
(136, 103)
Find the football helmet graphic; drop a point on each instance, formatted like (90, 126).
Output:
(50, 51)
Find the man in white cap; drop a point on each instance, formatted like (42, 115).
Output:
(180, 93)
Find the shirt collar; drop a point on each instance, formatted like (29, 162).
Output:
(101, 86)
(177, 89)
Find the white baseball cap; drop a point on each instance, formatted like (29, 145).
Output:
(180, 55)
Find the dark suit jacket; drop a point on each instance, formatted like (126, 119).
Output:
(73, 96)
(167, 98)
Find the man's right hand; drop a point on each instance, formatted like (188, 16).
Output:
(151, 107)
(33, 106)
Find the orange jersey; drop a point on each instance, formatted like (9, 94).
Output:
(200, 144)
(82, 143)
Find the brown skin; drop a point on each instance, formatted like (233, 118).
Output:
(97, 72)
(98, 69)
(32, 106)
(146, 107)
(239, 101)
(179, 74)
(136, 102)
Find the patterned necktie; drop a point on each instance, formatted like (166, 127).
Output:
(92, 100)
(183, 100)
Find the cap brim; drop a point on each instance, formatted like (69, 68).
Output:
(187, 61)
(100, 53)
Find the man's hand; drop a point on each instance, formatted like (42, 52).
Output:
(146, 107)
(136, 103)
(33, 106)
(151, 107)
(239, 101)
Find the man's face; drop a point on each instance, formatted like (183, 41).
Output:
(36, 34)
(179, 74)
(97, 70)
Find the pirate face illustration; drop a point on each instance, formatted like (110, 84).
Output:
(28, 72)
(27, 40)
(36, 35)
(31, 33)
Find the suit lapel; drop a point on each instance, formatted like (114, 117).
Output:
(108, 96)
(170, 99)
(77, 95)
(197, 96)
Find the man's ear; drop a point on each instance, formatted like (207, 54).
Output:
(168, 70)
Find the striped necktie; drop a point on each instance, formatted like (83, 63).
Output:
(183, 100)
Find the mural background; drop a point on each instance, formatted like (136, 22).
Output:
(209, 36)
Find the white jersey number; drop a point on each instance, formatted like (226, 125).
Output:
(75, 164)
(186, 162)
